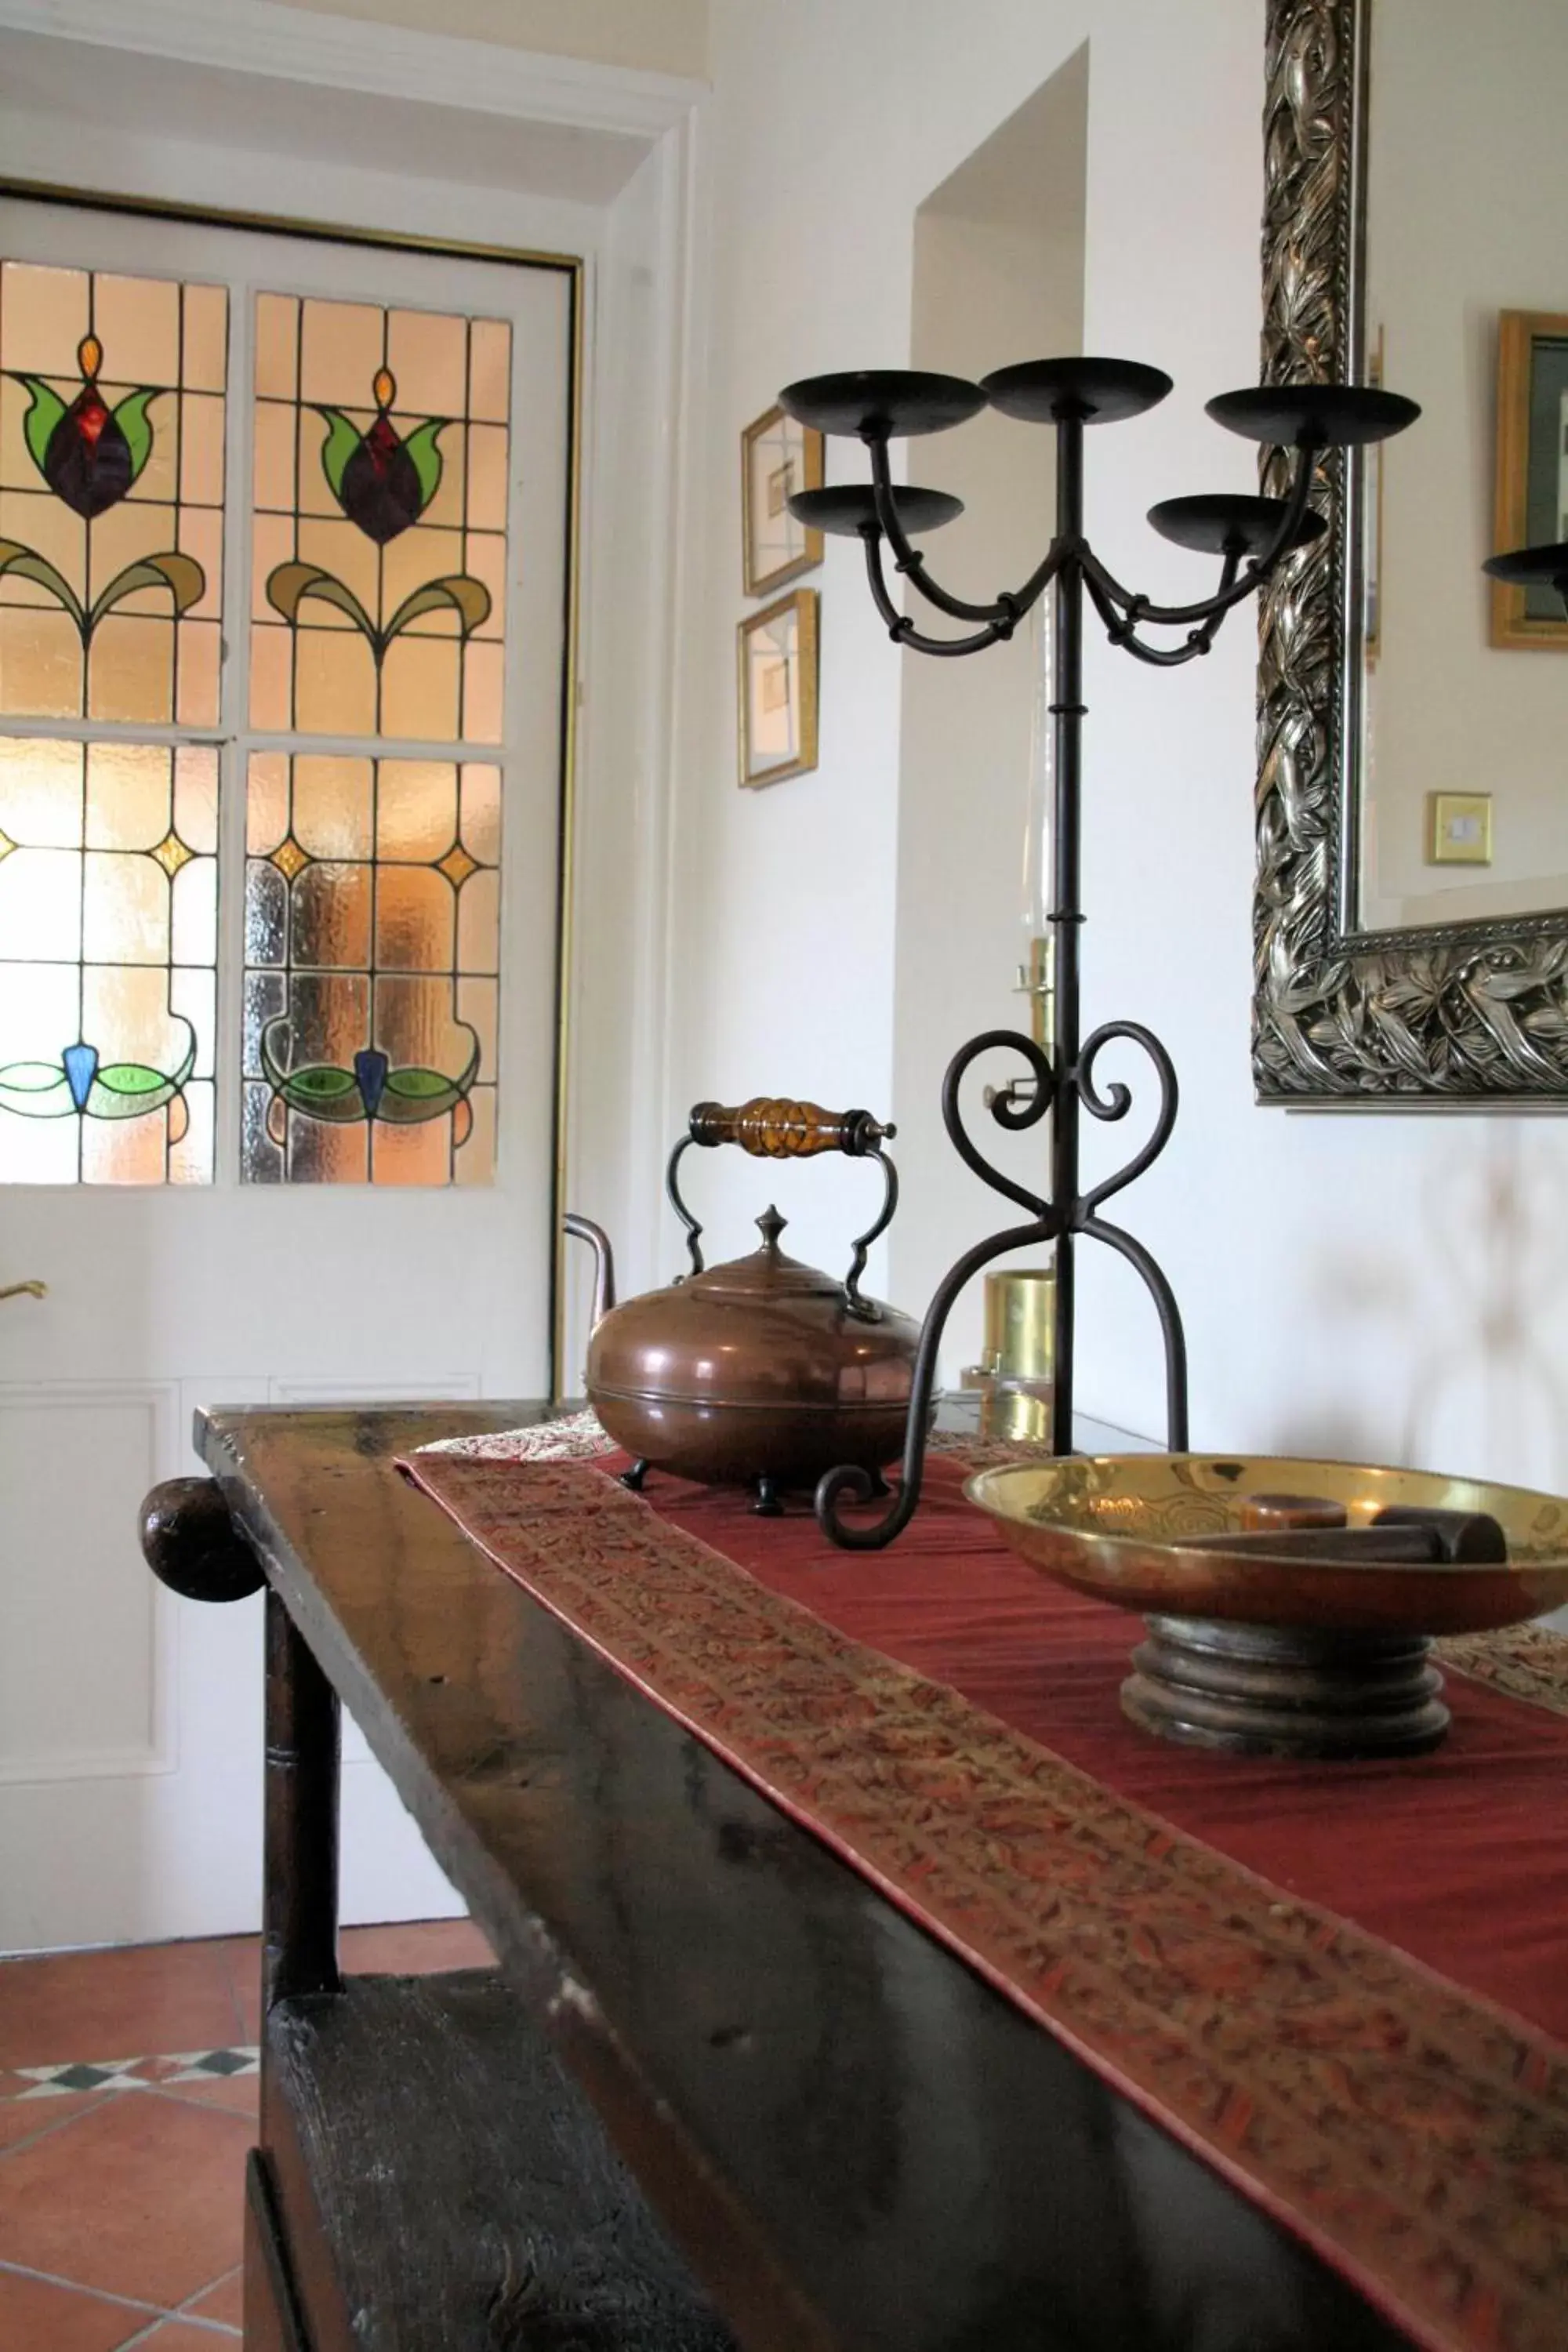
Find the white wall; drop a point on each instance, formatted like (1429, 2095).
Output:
(657, 36)
(1385, 1286)
(1456, 233)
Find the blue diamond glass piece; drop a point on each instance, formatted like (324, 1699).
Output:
(369, 1068)
(80, 1066)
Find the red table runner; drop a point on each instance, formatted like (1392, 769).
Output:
(1342, 1983)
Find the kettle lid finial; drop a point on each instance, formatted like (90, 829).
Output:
(770, 1224)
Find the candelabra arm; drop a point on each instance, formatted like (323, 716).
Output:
(1121, 629)
(909, 560)
(1234, 593)
(903, 630)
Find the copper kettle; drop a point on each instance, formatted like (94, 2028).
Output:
(763, 1372)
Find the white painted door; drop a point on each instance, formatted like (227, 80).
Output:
(300, 1150)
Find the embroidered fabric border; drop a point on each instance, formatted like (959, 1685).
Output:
(1528, 1662)
(1416, 2134)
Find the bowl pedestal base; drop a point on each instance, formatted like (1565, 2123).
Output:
(1274, 1690)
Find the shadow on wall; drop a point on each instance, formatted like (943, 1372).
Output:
(1466, 1305)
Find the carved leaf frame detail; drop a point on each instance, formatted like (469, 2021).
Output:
(1461, 1014)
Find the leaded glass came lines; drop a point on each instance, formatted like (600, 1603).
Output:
(378, 603)
(111, 495)
(372, 924)
(108, 963)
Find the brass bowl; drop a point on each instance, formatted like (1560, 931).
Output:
(1297, 1657)
(1116, 1526)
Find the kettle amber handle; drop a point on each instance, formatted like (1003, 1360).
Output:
(772, 1128)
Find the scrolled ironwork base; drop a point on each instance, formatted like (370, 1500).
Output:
(1015, 1108)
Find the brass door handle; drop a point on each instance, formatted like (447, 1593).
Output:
(26, 1290)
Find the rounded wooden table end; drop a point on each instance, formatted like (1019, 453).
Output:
(192, 1545)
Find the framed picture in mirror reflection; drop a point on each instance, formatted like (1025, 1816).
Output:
(776, 680)
(1532, 469)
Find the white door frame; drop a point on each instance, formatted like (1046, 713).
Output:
(640, 287)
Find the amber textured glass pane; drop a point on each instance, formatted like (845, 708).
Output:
(44, 315)
(421, 679)
(198, 653)
(490, 370)
(341, 344)
(334, 684)
(201, 450)
(107, 961)
(127, 795)
(480, 802)
(278, 346)
(483, 692)
(112, 486)
(428, 355)
(487, 478)
(271, 679)
(41, 664)
(333, 806)
(273, 462)
(355, 1016)
(416, 809)
(130, 671)
(206, 362)
(479, 921)
(137, 320)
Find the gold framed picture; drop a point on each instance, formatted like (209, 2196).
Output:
(778, 457)
(1532, 469)
(1459, 828)
(776, 666)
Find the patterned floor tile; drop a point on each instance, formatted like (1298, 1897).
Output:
(35, 2315)
(139, 2197)
(99, 2004)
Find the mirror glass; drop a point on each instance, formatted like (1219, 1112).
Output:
(1458, 690)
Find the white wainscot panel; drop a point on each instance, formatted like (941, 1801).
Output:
(84, 1674)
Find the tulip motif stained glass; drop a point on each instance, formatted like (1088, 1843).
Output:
(372, 922)
(112, 434)
(107, 962)
(380, 520)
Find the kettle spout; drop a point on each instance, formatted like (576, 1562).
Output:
(598, 1241)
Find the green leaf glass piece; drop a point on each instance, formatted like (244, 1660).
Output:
(417, 1083)
(182, 575)
(36, 1090)
(134, 422)
(288, 584)
(28, 566)
(344, 438)
(128, 1090)
(457, 591)
(426, 456)
(47, 410)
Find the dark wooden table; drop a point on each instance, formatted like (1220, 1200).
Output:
(853, 2143)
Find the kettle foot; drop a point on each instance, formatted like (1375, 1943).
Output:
(767, 1505)
(635, 1474)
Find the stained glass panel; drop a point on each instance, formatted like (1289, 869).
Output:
(380, 494)
(112, 464)
(371, 934)
(107, 962)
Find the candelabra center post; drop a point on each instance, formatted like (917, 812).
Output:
(1066, 911)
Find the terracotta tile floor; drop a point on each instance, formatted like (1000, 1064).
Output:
(120, 2208)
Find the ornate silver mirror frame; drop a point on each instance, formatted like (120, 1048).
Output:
(1467, 1013)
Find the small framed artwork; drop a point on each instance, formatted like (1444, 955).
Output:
(777, 681)
(1459, 828)
(1532, 469)
(778, 457)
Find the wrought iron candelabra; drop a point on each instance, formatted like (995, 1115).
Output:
(1251, 536)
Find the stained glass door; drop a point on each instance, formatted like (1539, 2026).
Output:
(283, 579)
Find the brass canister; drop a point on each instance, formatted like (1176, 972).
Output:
(1015, 1374)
